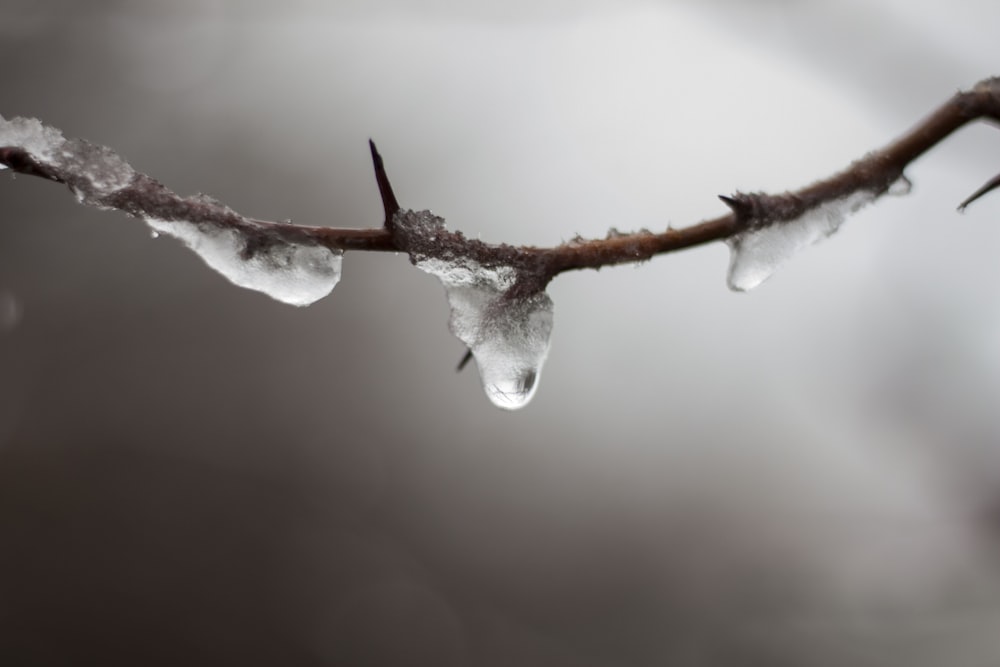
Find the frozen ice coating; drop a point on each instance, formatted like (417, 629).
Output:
(295, 274)
(755, 254)
(31, 135)
(97, 170)
(91, 171)
(509, 336)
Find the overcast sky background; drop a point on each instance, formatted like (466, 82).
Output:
(808, 474)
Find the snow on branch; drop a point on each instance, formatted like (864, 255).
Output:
(499, 308)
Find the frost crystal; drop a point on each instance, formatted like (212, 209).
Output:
(758, 252)
(508, 334)
(295, 274)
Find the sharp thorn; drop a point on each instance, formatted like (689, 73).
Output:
(738, 206)
(465, 360)
(989, 186)
(389, 203)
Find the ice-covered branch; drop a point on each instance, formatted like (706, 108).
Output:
(496, 292)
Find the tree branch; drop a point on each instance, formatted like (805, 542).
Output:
(499, 308)
(146, 198)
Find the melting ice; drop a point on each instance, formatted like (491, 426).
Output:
(758, 253)
(508, 335)
(295, 273)
(292, 273)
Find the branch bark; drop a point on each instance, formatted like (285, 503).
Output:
(145, 197)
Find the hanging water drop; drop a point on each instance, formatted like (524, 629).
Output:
(507, 333)
(510, 349)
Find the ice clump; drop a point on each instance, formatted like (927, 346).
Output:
(92, 171)
(31, 135)
(508, 335)
(758, 252)
(296, 274)
(505, 323)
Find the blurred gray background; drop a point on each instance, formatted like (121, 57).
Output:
(809, 474)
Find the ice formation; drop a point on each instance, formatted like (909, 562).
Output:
(758, 252)
(91, 171)
(292, 273)
(245, 252)
(31, 135)
(507, 333)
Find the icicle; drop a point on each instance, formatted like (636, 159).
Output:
(758, 253)
(508, 335)
(295, 274)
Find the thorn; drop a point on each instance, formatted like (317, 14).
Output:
(990, 185)
(739, 207)
(464, 361)
(389, 203)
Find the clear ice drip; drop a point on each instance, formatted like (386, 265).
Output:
(508, 335)
(291, 273)
(757, 253)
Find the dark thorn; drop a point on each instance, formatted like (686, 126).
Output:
(464, 361)
(990, 185)
(389, 202)
(740, 208)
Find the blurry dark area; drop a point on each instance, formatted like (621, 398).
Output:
(191, 473)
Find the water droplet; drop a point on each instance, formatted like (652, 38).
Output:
(512, 392)
(508, 336)
(155, 234)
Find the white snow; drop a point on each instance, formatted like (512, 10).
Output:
(757, 253)
(30, 134)
(291, 273)
(509, 336)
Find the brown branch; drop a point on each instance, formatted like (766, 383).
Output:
(874, 173)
